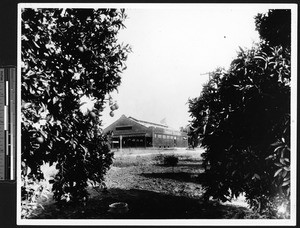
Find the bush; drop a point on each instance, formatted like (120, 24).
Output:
(170, 160)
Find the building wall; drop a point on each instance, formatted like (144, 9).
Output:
(131, 142)
(135, 135)
(168, 140)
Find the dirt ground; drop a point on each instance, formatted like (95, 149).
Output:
(151, 190)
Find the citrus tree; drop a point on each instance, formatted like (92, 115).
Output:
(68, 54)
(243, 118)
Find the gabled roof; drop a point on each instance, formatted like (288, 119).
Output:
(148, 124)
(145, 126)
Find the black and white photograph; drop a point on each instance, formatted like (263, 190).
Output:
(155, 114)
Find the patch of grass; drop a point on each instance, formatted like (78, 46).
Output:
(166, 159)
(128, 161)
(123, 163)
(159, 158)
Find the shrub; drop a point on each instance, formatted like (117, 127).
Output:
(170, 160)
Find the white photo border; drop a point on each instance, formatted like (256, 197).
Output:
(168, 222)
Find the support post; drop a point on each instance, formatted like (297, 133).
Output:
(121, 143)
(153, 135)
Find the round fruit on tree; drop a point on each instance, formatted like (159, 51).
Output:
(93, 114)
(40, 139)
(116, 106)
(113, 107)
(81, 49)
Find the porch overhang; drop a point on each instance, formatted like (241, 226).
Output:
(131, 135)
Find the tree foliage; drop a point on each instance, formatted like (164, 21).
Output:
(243, 118)
(275, 27)
(68, 54)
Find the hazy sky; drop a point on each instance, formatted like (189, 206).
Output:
(172, 47)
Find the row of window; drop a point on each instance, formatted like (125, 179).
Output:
(160, 136)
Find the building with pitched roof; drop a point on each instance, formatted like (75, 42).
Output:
(128, 132)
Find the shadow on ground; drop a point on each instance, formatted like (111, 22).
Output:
(142, 205)
(187, 165)
(178, 176)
